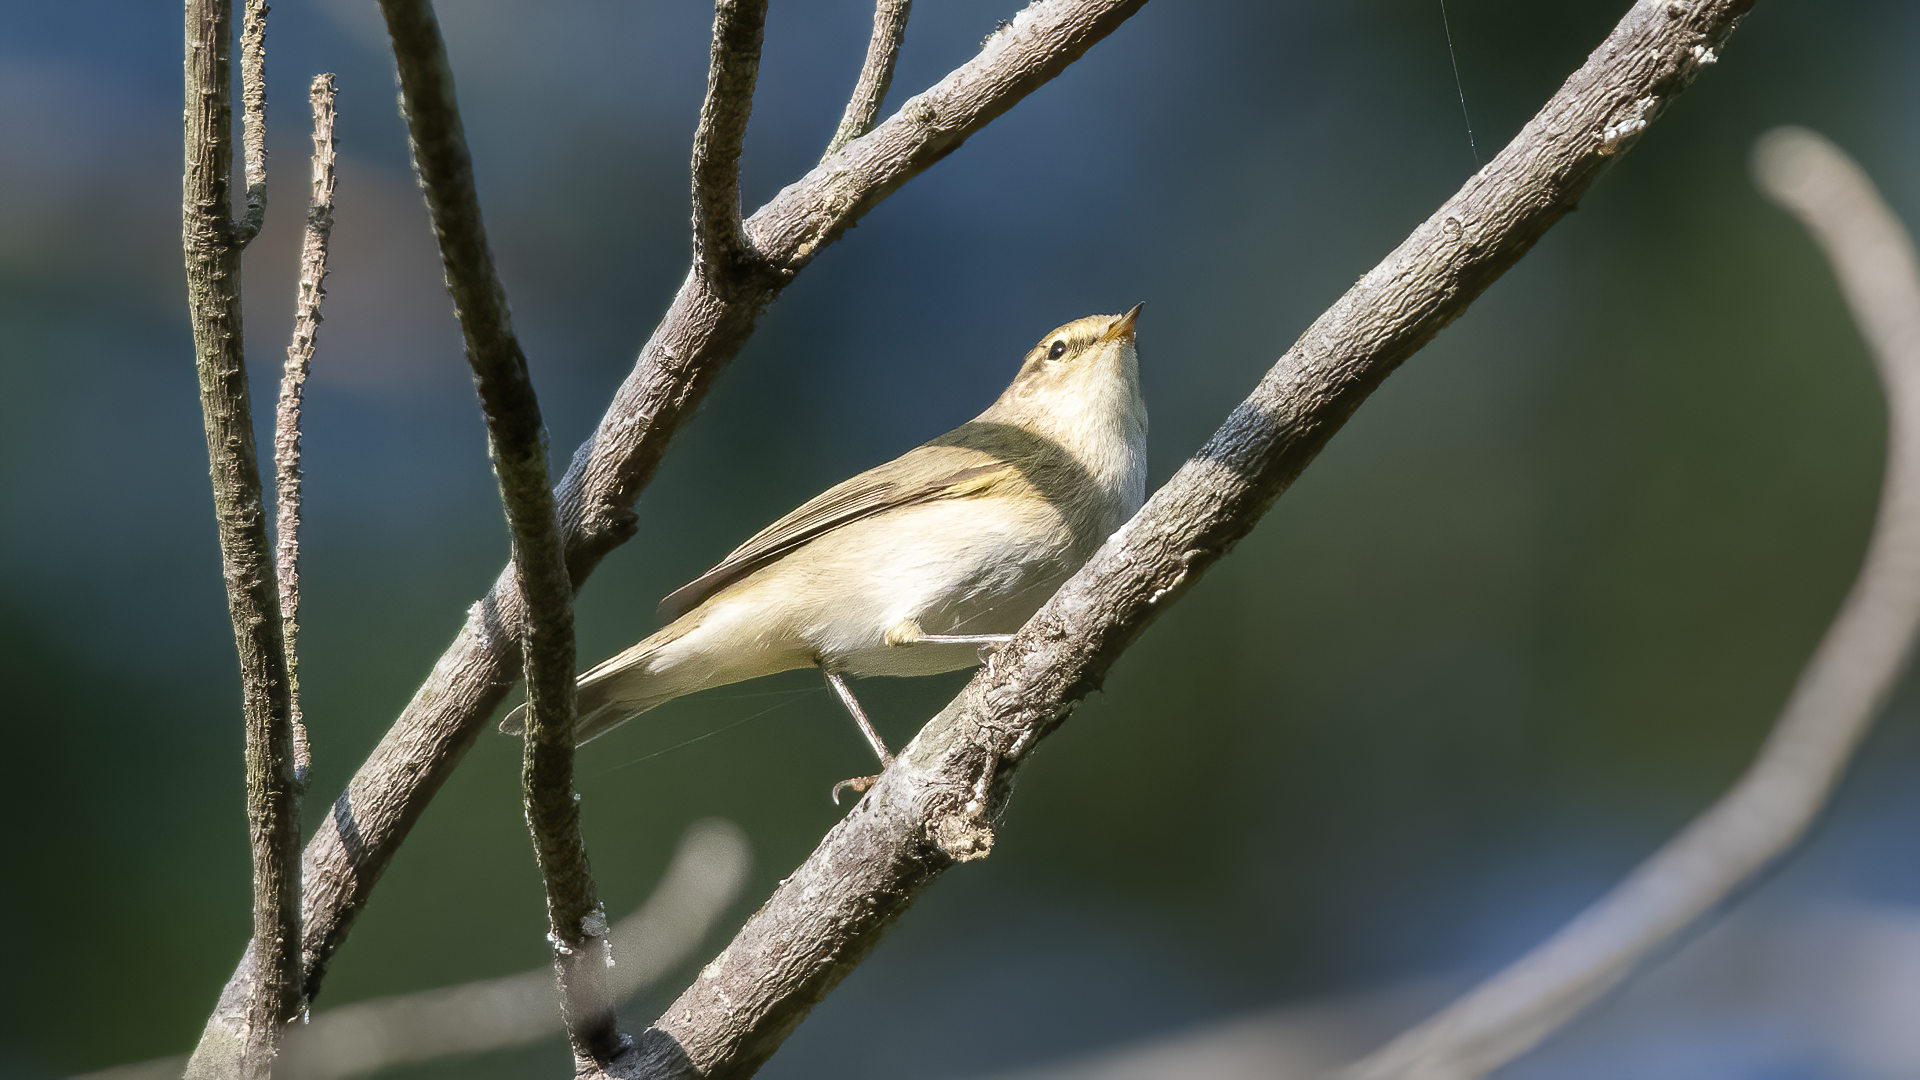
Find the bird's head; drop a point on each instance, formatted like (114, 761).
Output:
(1089, 363)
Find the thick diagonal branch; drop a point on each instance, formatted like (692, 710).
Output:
(720, 248)
(243, 1034)
(688, 349)
(876, 74)
(517, 440)
(1832, 706)
(288, 480)
(935, 806)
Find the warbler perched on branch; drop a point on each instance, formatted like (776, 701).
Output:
(916, 566)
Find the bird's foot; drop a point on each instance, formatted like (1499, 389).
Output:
(858, 785)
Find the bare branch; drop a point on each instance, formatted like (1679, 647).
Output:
(240, 1038)
(253, 106)
(720, 249)
(935, 806)
(1873, 257)
(517, 439)
(688, 349)
(701, 882)
(1831, 709)
(309, 293)
(883, 51)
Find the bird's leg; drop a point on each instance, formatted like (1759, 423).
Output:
(845, 694)
(962, 639)
(840, 689)
(908, 632)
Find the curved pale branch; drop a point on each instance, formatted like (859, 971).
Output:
(694, 340)
(1832, 706)
(701, 882)
(876, 73)
(245, 1028)
(517, 439)
(935, 806)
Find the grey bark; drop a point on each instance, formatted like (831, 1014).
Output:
(936, 806)
(700, 332)
(241, 1038)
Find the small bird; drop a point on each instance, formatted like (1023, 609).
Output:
(916, 566)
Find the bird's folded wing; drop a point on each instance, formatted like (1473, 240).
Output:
(924, 474)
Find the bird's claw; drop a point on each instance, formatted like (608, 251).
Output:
(858, 785)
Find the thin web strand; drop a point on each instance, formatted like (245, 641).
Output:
(1458, 86)
(702, 737)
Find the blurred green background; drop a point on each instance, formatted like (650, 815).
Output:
(1528, 613)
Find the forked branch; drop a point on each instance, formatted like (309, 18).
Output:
(245, 1028)
(935, 806)
(693, 342)
(876, 74)
(1831, 709)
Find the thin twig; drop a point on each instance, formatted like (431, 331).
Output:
(253, 117)
(241, 1037)
(936, 806)
(517, 439)
(720, 247)
(700, 333)
(702, 881)
(1831, 709)
(876, 74)
(288, 480)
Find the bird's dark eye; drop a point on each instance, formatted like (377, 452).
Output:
(1059, 350)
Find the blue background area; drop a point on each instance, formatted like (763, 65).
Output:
(1529, 611)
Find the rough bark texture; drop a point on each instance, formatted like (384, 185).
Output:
(876, 73)
(1832, 707)
(241, 1037)
(692, 343)
(253, 111)
(720, 251)
(288, 480)
(936, 805)
(517, 441)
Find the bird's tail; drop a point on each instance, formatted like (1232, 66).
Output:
(616, 690)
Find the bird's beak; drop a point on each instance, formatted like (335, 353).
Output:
(1122, 327)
